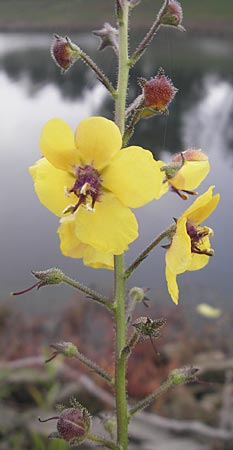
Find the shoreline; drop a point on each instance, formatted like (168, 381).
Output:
(214, 28)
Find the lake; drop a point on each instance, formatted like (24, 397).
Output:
(32, 91)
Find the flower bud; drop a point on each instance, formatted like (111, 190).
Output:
(183, 375)
(108, 36)
(63, 348)
(50, 276)
(137, 294)
(148, 327)
(173, 15)
(73, 424)
(45, 277)
(159, 92)
(64, 52)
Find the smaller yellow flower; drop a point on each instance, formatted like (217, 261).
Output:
(186, 172)
(190, 245)
(208, 311)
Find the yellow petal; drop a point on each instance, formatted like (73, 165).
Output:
(134, 177)
(97, 260)
(172, 285)
(165, 186)
(50, 184)
(202, 207)
(69, 243)
(208, 311)
(178, 256)
(72, 247)
(198, 262)
(191, 174)
(98, 140)
(57, 144)
(110, 228)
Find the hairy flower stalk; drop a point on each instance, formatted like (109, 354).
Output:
(120, 316)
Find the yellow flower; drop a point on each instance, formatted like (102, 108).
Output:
(186, 171)
(208, 311)
(190, 245)
(88, 181)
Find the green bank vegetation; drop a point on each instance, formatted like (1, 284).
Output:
(80, 14)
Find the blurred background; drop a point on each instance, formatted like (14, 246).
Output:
(32, 90)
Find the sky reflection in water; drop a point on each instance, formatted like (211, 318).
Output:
(28, 230)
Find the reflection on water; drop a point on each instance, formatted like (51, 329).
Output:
(32, 91)
(208, 123)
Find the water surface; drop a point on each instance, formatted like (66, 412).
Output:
(32, 91)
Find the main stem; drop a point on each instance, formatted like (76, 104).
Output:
(120, 318)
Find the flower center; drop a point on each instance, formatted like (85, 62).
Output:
(196, 235)
(87, 187)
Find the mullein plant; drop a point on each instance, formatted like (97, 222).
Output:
(91, 179)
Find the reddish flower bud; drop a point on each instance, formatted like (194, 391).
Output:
(173, 14)
(64, 52)
(159, 92)
(73, 424)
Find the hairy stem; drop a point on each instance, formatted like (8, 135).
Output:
(94, 367)
(108, 444)
(148, 37)
(100, 75)
(120, 317)
(90, 293)
(167, 233)
(150, 398)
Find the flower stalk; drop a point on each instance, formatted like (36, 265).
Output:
(120, 316)
(148, 37)
(108, 444)
(71, 351)
(89, 292)
(166, 233)
(176, 377)
(100, 75)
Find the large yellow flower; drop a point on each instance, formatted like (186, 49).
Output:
(190, 245)
(88, 181)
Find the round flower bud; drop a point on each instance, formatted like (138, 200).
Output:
(136, 294)
(173, 14)
(183, 375)
(64, 52)
(73, 424)
(159, 92)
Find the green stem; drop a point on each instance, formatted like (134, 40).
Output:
(90, 293)
(92, 437)
(150, 398)
(148, 37)
(120, 360)
(123, 68)
(167, 233)
(176, 377)
(94, 367)
(100, 75)
(130, 129)
(120, 317)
